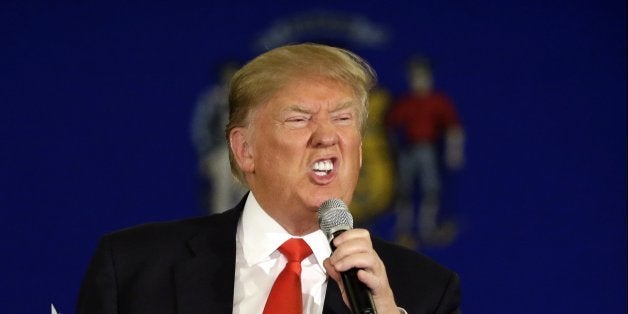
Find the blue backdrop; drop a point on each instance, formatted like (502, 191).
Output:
(96, 99)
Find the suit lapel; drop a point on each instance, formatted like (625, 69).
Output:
(204, 286)
(204, 283)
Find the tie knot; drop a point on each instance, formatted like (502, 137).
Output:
(295, 250)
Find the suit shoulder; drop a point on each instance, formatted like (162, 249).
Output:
(152, 230)
(398, 258)
(420, 284)
(153, 235)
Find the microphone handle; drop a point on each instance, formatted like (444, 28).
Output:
(357, 292)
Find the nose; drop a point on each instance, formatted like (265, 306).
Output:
(324, 134)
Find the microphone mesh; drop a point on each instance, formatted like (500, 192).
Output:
(333, 215)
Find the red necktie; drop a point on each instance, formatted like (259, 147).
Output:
(285, 295)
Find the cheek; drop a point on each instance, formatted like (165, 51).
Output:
(353, 153)
(360, 152)
(278, 149)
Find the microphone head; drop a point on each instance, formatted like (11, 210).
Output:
(333, 216)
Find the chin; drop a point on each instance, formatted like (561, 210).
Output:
(318, 198)
(315, 199)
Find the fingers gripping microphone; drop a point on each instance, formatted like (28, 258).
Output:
(334, 218)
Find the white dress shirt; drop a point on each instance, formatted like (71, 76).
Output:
(258, 262)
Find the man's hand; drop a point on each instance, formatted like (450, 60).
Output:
(354, 249)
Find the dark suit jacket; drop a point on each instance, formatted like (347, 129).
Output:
(188, 267)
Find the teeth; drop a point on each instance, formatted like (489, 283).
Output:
(323, 167)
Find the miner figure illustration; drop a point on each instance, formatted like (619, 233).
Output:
(429, 136)
(219, 189)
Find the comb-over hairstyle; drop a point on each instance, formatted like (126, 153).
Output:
(260, 79)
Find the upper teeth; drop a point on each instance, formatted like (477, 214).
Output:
(323, 165)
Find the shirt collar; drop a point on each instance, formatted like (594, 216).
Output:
(260, 235)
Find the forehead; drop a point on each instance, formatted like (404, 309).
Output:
(313, 92)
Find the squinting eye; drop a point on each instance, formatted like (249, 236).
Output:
(296, 119)
(297, 122)
(344, 117)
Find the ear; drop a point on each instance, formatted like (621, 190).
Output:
(241, 149)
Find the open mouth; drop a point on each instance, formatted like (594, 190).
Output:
(323, 167)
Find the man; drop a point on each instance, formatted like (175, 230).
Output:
(294, 132)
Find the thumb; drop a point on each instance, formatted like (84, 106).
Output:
(335, 275)
(331, 271)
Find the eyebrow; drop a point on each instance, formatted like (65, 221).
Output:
(302, 109)
(344, 106)
(297, 108)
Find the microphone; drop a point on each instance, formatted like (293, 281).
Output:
(334, 218)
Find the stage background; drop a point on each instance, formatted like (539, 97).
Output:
(96, 99)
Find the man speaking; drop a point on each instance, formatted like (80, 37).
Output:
(296, 117)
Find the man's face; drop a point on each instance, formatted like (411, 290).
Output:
(305, 147)
(421, 80)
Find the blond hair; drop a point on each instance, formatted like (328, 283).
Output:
(258, 81)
